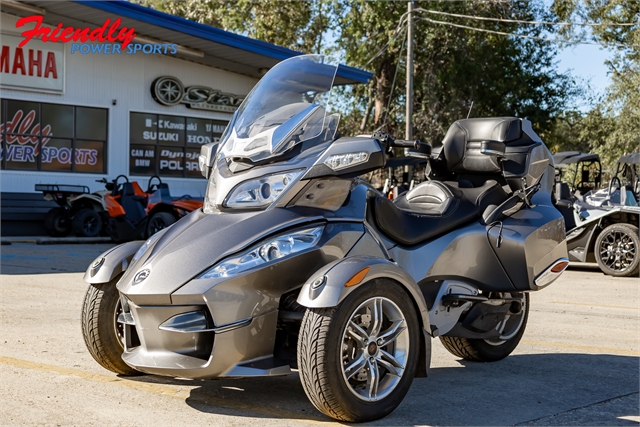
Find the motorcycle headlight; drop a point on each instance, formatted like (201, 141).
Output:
(260, 192)
(276, 248)
(146, 245)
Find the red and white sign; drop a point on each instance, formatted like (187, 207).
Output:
(37, 65)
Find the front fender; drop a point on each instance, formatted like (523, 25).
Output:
(111, 263)
(333, 291)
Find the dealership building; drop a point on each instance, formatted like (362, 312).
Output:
(74, 112)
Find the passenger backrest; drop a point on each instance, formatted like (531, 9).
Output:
(461, 144)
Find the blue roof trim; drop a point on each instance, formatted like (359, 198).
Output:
(175, 23)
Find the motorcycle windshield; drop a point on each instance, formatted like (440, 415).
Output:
(287, 107)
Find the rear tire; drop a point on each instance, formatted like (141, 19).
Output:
(87, 223)
(617, 250)
(328, 347)
(159, 221)
(57, 222)
(100, 330)
(479, 350)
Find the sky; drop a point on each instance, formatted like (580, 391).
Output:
(587, 63)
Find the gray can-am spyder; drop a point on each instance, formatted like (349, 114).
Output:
(294, 262)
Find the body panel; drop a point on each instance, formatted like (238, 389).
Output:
(108, 265)
(188, 248)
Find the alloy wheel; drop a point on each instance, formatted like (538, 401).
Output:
(617, 250)
(156, 225)
(117, 326)
(375, 349)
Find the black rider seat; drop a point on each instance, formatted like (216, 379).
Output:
(433, 208)
(436, 207)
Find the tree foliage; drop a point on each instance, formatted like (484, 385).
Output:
(612, 127)
(454, 67)
(297, 25)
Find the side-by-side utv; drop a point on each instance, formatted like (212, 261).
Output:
(602, 223)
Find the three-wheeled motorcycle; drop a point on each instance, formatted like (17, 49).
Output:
(294, 262)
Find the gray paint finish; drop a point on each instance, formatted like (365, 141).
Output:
(192, 247)
(111, 263)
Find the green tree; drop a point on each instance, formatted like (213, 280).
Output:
(613, 126)
(297, 25)
(454, 66)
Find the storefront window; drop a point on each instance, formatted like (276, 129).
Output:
(52, 137)
(169, 145)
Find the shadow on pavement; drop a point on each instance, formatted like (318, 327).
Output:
(518, 389)
(29, 258)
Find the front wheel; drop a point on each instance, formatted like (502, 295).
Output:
(357, 360)
(511, 329)
(617, 250)
(103, 335)
(159, 221)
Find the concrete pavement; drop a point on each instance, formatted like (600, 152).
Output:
(578, 363)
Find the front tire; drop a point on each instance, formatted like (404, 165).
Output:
(102, 334)
(357, 360)
(479, 350)
(617, 250)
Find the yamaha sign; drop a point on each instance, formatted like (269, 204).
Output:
(170, 91)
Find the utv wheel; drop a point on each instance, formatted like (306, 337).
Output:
(159, 221)
(357, 360)
(103, 335)
(478, 350)
(87, 223)
(57, 223)
(617, 250)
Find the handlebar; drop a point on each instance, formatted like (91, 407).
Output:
(414, 145)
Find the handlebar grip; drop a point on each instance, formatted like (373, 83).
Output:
(415, 145)
(405, 143)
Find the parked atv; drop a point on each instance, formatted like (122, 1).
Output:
(294, 263)
(137, 214)
(79, 210)
(602, 225)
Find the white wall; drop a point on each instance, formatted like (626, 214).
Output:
(94, 80)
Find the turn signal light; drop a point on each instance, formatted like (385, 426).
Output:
(559, 267)
(357, 278)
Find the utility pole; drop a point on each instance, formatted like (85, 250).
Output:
(409, 107)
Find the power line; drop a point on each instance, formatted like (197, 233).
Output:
(395, 35)
(523, 35)
(520, 21)
(403, 17)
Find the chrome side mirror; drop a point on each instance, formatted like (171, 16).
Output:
(207, 156)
